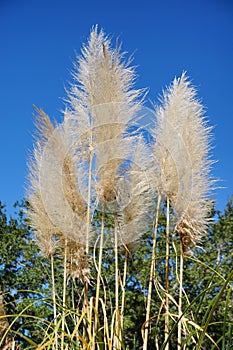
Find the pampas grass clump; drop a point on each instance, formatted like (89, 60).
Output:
(91, 163)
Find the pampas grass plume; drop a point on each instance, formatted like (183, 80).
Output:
(182, 152)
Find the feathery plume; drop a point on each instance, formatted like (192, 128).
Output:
(104, 89)
(102, 77)
(44, 228)
(194, 213)
(182, 151)
(52, 189)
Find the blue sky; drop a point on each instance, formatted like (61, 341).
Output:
(38, 41)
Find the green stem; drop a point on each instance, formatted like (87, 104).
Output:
(210, 315)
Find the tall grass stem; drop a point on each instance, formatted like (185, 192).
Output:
(54, 300)
(99, 273)
(166, 328)
(179, 336)
(64, 295)
(152, 271)
(117, 327)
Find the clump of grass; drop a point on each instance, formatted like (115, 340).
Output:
(90, 163)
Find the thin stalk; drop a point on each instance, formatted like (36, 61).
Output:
(100, 260)
(88, 220)
(86, 302)
(152, 271)
(179, 339)
(166, 328)
(99, 274)
(73, 286)
(64, 296)
(89, 199)
(54, 300)
(117, 329)
(123, 290)
(116, 268)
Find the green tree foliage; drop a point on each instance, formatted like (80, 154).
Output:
(24, 277)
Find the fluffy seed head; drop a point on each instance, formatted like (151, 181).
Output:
(182, 151)
(103, 87)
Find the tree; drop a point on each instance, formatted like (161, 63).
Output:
(24, 277)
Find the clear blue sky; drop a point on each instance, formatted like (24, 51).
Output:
(38, 41)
